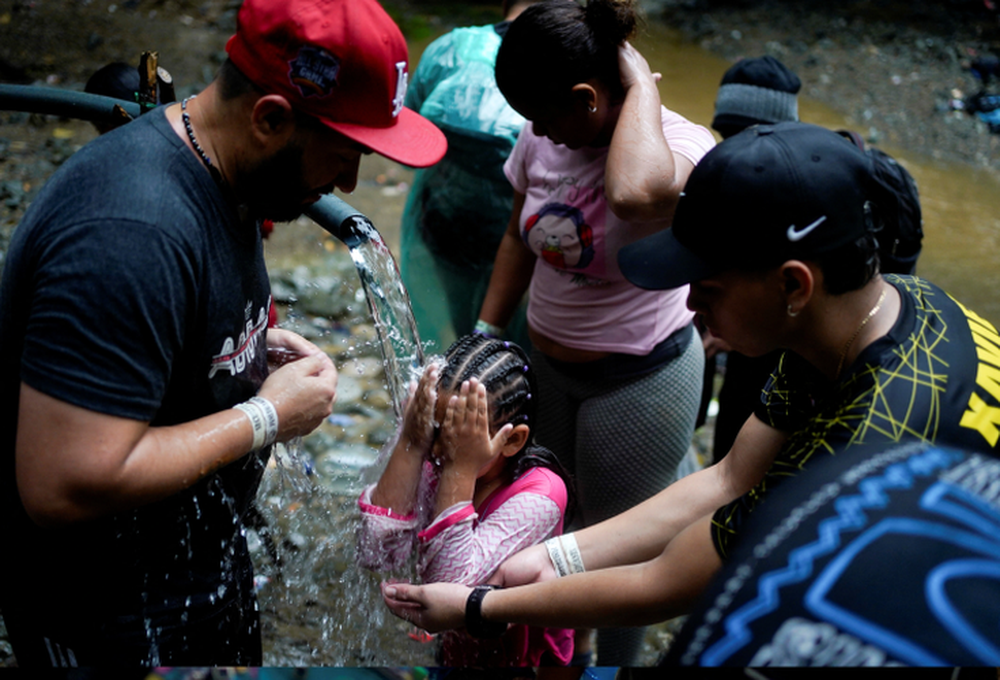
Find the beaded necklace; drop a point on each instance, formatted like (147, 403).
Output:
(212, 170)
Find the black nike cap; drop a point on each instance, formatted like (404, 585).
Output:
(764, 196)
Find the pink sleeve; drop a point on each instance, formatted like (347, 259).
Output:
(385, 540)
(515, 167)
(684, 137)
(464, 550)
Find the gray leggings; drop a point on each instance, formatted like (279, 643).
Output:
(621, 439)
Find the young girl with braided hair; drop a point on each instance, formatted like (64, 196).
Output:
(466, 483)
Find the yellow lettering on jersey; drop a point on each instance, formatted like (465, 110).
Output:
(987, 346)
(981, 416)
(983, 419)
(988, 377)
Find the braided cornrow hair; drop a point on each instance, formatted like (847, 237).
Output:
(505, 370)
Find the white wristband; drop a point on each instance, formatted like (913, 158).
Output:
(263, 419)
(557, 557)
(270, 419)
(256, 417)
(573, 556)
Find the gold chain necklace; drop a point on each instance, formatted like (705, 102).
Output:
(868, 317)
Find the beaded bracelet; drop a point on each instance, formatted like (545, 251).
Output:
(487, 329)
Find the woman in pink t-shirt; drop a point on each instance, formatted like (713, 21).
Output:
(600, 165)
(469, 493)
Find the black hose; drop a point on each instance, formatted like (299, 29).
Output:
(64, 103)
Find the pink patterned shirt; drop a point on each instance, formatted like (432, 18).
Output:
(464, 546)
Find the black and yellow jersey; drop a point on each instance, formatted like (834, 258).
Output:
(935, 377)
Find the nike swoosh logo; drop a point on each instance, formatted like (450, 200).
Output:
(799, 234)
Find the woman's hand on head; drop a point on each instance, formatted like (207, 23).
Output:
(634, 68)
(433, 607)
(418, 414)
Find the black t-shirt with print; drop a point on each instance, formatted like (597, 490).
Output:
(132, 289)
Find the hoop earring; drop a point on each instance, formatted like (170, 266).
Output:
(592, 109)
(790, 312)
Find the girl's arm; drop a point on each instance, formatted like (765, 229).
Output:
(512, 272)
(396, 489)
(643, 177)
(466, 446)
(459, 552)
(389, 520)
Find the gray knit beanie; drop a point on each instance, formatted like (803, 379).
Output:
(759, 90)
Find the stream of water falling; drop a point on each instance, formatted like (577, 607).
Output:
(318, 606)
(389, 303)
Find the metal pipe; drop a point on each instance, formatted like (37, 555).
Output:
(64, 103)
(341, 220)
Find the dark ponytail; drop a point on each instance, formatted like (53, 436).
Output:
(556, 44)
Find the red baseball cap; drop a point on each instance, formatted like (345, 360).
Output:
(344, 62)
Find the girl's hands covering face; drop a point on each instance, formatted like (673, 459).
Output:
(418, 415)
(465, 434)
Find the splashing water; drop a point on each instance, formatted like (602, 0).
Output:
(319, 607)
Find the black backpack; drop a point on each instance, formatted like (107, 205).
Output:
(897, 202)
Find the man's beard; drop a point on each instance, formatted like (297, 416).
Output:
(275, 189)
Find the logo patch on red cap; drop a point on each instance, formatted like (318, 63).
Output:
(402, 81)
(314, 71)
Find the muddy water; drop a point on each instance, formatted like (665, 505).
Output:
(961, 204)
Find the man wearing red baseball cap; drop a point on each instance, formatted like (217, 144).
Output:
(134, 342)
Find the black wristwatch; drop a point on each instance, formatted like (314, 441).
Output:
(475, 624)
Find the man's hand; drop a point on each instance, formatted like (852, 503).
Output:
(284, 346)
(531, 565)
(433, 607)
(303, 387)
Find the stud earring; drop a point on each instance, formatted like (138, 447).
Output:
(592, 109)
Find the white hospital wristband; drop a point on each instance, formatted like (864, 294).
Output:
(270, 419)
(557, 557)
(263, 419)
(572, 552)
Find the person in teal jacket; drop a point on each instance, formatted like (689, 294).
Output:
(457, 210)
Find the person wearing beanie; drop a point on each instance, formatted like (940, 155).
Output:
(141, 402)
(755, 90)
